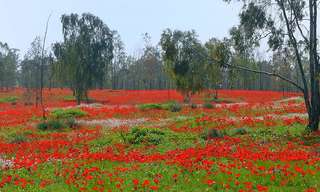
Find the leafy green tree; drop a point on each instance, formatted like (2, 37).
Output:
(185, 59)
(219, 54)
(119, 59)
(86, 52)
(36, 62)
(8, 66)
(284, 22)
(30, 66)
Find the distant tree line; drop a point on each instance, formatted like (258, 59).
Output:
(92, 56)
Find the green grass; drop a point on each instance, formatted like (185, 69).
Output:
(183, 181)
(10, 99)
(170, 106)
(67, 113)
(69, 98)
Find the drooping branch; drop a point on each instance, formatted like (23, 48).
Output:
(267, 73)
(293, 40)
(297, 23)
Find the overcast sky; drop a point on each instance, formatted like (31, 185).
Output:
(23, 20)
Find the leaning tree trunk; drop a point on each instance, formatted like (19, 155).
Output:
(312, 101)
(314, 68)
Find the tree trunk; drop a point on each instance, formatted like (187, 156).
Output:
(314, 68)
(313, 105)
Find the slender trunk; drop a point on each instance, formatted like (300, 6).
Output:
(309, 105)
(314, 69)
(42, 70)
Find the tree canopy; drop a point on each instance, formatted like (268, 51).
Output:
(86, 52)
(185, 59)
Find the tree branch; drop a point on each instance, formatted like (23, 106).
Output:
(298, 24)
(267, 73)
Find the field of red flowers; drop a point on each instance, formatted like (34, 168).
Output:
(150, 141)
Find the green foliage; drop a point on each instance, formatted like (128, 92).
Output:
(70, 122)
(18, 138)
(8, 65)
(211, 134)
(10, 99)
(278, 133)
(193, 106)
(83, 57)
(222, 100)
(30, 67)
(208, 105)
(69, 98)
(175, 107)
(146, 136)
(150, 106)
(185, 59)
(170, 106)
(240, 131)
(67, 113)
(52, 124)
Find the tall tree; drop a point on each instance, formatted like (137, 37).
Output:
(30, 71)
(119, 58)
(8, 66)
(85, 53)
(283, 22)
(185, 59)
(219, 54)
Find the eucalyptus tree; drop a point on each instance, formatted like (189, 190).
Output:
(8, 66)
(119, 59)
(85, 53)
(30, 70)
(185, 59)
(219, 54)
(288, 24)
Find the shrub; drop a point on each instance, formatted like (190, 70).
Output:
(150, 106)
(68, 113)
(240, 131)
(170, 106)
(52, 124)
(10, 99)
(193, 106)
(69, 98)
(145, 136)
(43, 126)
(18, 138)
(211, 134)
(222, 100)
(71, 123)
(208, 105)
(175, 107)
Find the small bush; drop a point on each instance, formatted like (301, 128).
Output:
(222, 100)
(10, 99)
(52, 124)
(170, 106)
(175, 107)
(71, 123)
(240, 131)
(207, 105)
(18, 138)
(69, 98)
(68, 113)
(193, 106)
(42, 126)
(145, 136)
(211, 134)
(150, 106)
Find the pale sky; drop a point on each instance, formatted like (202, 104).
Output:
(23, 20)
